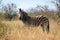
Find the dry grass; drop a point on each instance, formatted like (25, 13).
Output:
(18, 31)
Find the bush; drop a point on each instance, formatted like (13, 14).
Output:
(58, 13)
(2, 16)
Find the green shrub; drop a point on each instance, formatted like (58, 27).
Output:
(58, 13)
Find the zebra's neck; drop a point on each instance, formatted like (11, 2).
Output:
(26, 18)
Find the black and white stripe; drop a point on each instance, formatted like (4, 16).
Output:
(36, 21)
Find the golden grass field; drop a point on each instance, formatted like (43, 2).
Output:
(16, 30)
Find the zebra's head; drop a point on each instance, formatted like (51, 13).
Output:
(22, 14)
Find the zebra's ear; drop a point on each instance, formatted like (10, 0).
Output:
(20, 10)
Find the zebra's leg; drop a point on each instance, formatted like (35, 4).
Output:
(46, 25)
(47, 28)
(42, 27)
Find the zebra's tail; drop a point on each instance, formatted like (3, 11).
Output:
(48, 28)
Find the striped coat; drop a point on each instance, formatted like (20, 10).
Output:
(36, 21)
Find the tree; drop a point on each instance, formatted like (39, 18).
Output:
(0, 4)
(10, 11)
(57, 4)
(0, 1)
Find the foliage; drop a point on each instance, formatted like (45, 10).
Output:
(10, 11)
(2, 17)
(57, 4)
(42, 10)
(0, 1)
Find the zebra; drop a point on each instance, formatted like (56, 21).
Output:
(36, 21)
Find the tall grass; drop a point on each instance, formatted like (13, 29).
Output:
(16, 30)
(2, 29)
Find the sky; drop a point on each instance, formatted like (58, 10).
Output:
(26, 4)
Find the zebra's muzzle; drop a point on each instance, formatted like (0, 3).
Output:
(20, 18)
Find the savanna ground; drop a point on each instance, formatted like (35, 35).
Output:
(16, 30)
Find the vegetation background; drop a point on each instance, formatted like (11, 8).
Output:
(11, 28)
